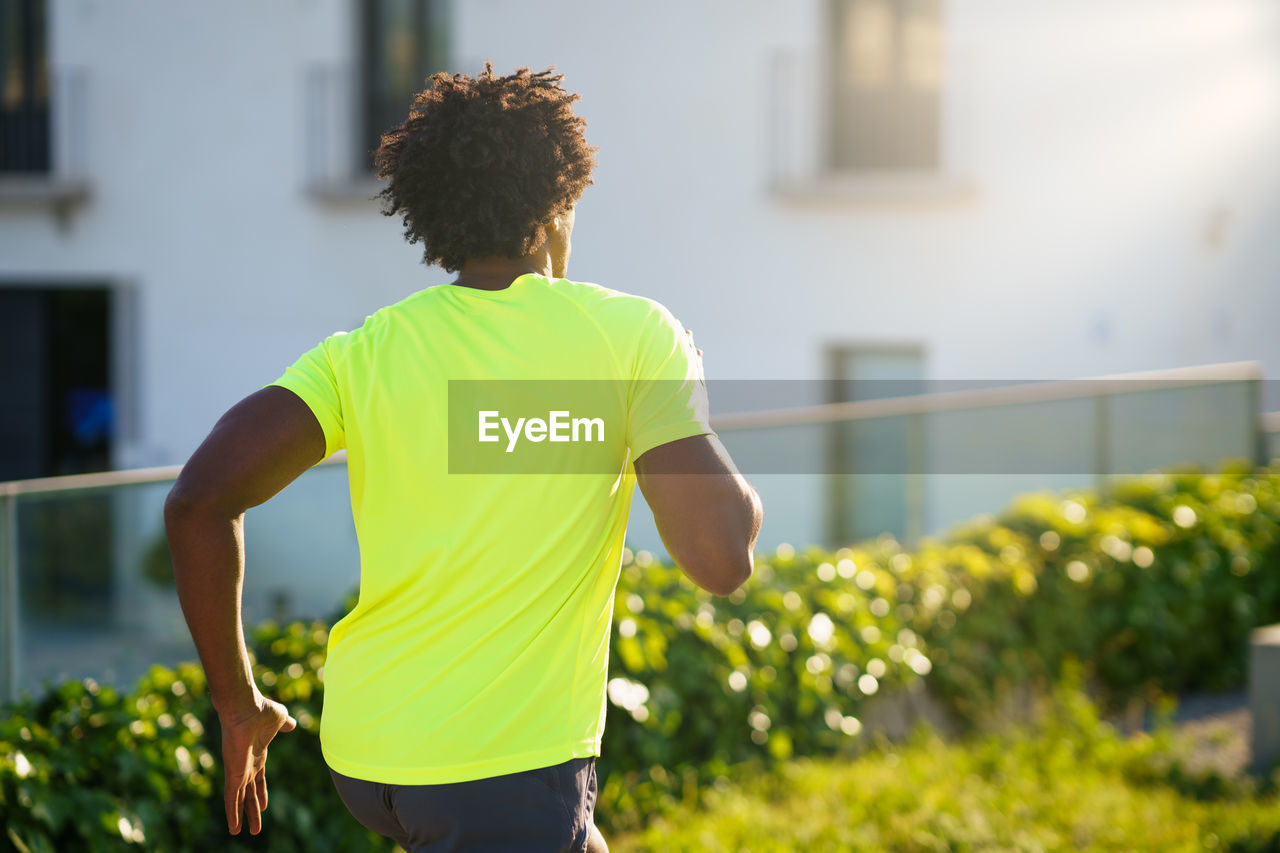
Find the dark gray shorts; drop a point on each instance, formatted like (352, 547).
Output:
(548, 810)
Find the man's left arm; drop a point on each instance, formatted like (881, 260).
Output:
(258, 447)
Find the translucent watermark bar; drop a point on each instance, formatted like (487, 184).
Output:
(1095, 426)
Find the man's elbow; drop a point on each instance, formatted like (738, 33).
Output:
(723, 564)
(721, 576)
(736, 566)
(189, 500)
(736, 580)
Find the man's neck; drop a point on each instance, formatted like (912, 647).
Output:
(498, 273)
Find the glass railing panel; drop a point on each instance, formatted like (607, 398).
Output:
(1204, 424)
(979, 458)
(88, 605)
(96, 595)
(94, 590)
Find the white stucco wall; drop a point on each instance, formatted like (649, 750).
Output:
(1122, 163)
(1124, 189)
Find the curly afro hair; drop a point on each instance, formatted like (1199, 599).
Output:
(481, 164)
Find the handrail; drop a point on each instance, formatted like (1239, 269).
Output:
(1031, 392)
(106, 479)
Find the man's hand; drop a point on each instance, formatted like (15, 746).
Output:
(245, 736)
(256, 449)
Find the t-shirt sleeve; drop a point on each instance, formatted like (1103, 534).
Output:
(668, 399)
(312, 377)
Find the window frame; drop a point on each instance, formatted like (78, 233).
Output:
(834, 159)
(840, 525)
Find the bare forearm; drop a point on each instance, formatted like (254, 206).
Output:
(208, 566)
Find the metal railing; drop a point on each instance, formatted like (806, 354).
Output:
(307, 528)
(151, 620)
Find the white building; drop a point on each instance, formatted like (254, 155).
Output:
(908, 189)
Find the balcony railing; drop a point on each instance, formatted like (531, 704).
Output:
(333, 166)
(85, 588)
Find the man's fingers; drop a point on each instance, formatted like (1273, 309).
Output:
(246, 798)
(261, 787)
(251, 807)
(245, 795)
(231, 798)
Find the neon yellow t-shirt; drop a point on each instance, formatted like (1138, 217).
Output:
(480, 642)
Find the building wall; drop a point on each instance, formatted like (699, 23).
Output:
(1108, 203)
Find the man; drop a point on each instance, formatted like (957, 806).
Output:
(465, 692)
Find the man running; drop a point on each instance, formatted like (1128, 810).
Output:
(464, 698)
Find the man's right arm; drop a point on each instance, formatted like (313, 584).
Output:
(707, 514)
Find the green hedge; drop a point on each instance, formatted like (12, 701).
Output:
(88, 768)
(1154, 587)
(1157, 587)
(1066, 782)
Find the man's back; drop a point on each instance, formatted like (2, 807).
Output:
(479, 645)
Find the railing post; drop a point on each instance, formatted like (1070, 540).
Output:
(8, 595)
(1264, 696)
(915, 479)
(1259, 442)
(1102, 439)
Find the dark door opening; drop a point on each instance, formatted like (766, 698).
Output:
(55, 367)
(55, 371)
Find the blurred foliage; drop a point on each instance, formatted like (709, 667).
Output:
(86, 768)
(157, 564)
(1154, 588)
(1065, 781)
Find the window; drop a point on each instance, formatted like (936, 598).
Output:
(874, 371)
(885, 83)
(24, 87)
(405, 41)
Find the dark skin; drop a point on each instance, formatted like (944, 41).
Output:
(551, 259)
(707, 514)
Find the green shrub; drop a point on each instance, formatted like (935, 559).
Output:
(1157, 587)
(85, 768)
(1065, 782)
(1154, 588)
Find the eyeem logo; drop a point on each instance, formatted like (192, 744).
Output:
(558, 427)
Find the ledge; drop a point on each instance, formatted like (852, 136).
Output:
(876, 189)
(43, 191)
